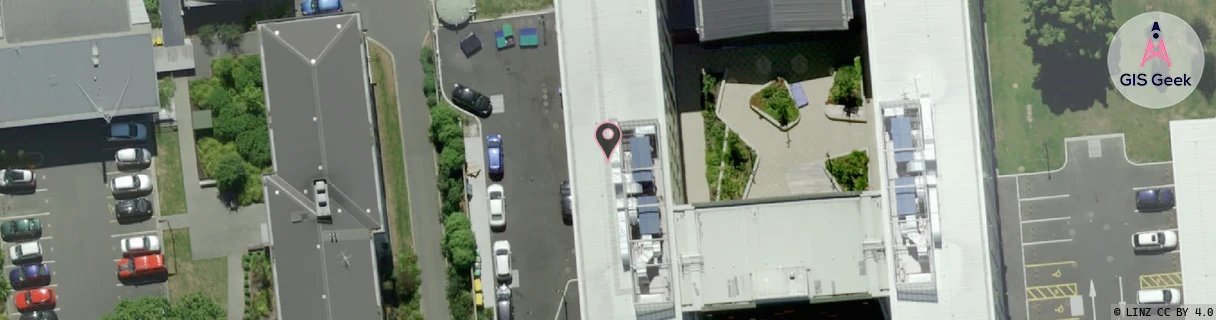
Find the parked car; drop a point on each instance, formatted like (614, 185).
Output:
(133, 158)
(133, 209)
(135, 183)
(1153, 200)
(503, 308)
(35, 299)
(24, 251)
(129, 131)
(30, 275)
(502, 261)
(498, 207)
(567, 203)
(40, 315)
(1155, 240)
(472, 101)
(141, 266)
(135, 246)
(21, 229)
(1159, 296)
(15, 177)
(495, 156)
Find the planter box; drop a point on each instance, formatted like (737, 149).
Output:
(769, 118)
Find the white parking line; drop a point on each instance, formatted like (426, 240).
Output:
(41, 190)
(1047, 220)
(17, 314)
(24, 216)
(1044, 198)
(46, 238)
(1025, 244)
(1153, 187)
(121, 235)
(43, 262)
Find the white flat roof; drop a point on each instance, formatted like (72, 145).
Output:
(611, 69)
(785, 249)
(1194, 147)
(924, 48)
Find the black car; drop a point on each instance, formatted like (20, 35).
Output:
(1154, 200)
(133, 209)
(567, 210)
(472, 101)
(40, 315)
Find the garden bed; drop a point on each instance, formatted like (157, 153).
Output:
(259, 285)
(729, 161)
(775, 104)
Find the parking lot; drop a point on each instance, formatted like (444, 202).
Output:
(1067, 234)
(523, 85)
(80, 237)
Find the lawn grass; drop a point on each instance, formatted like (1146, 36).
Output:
(186, 275)
(169, 183)
(490, 9)
(1026, 139)
(392, 158)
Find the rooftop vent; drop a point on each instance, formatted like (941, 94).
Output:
(96, 56)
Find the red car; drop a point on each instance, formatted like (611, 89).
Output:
(141, 266)
(35, 299)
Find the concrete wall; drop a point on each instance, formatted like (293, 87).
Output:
(985, 122)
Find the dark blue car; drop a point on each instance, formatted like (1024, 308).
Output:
(1154, 200)
(32, 275)
(495, 154)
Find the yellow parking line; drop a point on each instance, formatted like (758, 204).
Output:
(1051, 292)
(1038, 265)
(1161, 280)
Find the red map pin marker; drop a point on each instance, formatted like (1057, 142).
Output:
(608, 135)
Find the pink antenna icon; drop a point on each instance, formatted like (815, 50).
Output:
(1156, 51)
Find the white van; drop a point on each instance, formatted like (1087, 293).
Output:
(1159, 296)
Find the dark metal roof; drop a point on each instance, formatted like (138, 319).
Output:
(39, 20)
(722, 19)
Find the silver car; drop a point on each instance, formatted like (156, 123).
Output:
(136, 183)
(133, 158)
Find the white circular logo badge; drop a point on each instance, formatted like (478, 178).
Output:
(1155, 60)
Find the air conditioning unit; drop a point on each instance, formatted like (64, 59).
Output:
(320, 193)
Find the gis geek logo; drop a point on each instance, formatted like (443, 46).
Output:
(1146, 75)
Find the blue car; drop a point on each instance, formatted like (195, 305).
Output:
(1153, 200)
(31, 275)
(495, 154)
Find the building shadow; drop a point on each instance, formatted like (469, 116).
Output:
(245, 13)
(157, 278)
(795, 56)
(71, 143)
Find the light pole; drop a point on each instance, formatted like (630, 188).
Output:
(1048, 153)
(174, 239)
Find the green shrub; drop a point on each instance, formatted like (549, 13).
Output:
(254, 146)
(775, 100)
(850, 171)
(232, 123)
(431, 101)
(428, 85)
(458, 242)
(847, 86)
(165, 88)
(253, 186)
(206, 35)
(408, 275)
(230, 174)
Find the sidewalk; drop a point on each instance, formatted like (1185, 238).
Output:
(236, 286)
(479, 212)
(693, 138)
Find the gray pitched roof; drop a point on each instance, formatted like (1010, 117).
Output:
(722, 19)
(317, 95)
(58, 82)
(38, 20)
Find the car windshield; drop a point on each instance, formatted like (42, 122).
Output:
(12, 175)
(135, 182)
(18, 250)
(1165, 295)
(131, 129)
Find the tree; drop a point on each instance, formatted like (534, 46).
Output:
(408, 275)
(166, 87)
(200, 90)
(1070, 26)
(451, 163)
(254, 146)
(252, 193)
(230, 172)
(458, 243)
(445, 125)
(221, 69)
(206, 35)
(196, 306)
(230, 34)
(210, 150)
(231, 123)
(254, 101)
(144, 308)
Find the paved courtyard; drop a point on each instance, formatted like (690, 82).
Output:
(80, 235)
(1067, 232)
(792, 162)
(523, 85)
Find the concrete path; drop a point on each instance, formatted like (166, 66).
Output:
(401, 26)
(693, 137)
(236, 286)
(479, 209)
(787, 161)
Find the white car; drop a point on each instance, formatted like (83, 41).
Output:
(1155, 240)
(17, 178)
(131, 184)
(1159, 296)
(498, 207)
(24, 251)
(134, 246)
(502, 261)
(133, 158)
